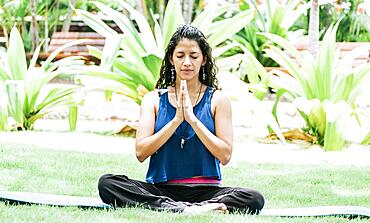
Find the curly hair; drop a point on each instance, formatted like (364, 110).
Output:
(191, 33)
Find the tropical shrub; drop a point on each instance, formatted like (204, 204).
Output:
(27, 96)
(3, 110)
(273, 17)
(49, 15)
(324, 89)
(138, 53)
(355, 15)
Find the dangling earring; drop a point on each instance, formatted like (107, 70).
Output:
(172, 74)
(203, 73)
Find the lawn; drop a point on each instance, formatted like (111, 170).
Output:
(38, 169)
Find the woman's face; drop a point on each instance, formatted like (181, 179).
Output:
(187, 59)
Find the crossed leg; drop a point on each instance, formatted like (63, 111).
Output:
(120, 191)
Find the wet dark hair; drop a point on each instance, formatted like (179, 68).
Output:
(191, 33)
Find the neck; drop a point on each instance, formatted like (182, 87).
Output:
(193, 86)
(193, 90)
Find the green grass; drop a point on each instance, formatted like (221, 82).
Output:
(35, 169)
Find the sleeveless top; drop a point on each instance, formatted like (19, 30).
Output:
(171, 162)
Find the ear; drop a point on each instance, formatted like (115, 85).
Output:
(171, 60)
(204, 61)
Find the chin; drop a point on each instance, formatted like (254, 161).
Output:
(188, 77)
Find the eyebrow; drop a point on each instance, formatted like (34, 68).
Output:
(194, 52)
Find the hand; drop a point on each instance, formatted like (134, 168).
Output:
(179, 116)
(186, 102)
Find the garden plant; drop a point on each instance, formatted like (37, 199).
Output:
(277, 18)
(355, 25)
(137, 55)
(320, 87)
(324, 90)
(25, 95)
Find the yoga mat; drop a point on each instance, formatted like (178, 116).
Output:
(319, 211)
(51, 199)
(92, 202)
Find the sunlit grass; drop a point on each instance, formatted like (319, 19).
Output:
(36, 169)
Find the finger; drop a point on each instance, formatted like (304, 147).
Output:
(182, 84)
(185, 87)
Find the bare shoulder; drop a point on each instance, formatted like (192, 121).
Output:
(150, 99)
(220, 98)
(151, 95)
(220, 103)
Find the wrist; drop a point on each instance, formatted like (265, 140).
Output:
(176, 122)
(193, 121)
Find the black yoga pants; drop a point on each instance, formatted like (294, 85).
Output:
(120, 191)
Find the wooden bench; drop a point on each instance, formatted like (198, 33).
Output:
(60, 38)
(2, 38)
(346, 47)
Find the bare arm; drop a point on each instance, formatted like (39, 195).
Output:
(147, 143)
(219, 144)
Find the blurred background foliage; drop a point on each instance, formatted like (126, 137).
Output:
(246, 36)
(355, 25)
(52, 15)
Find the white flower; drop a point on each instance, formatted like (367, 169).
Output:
(336, 111)
(305, 105)
(346, 6)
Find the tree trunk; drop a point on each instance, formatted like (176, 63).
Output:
(57, 11)
(68, 19)
(46, 27)
(33, 29)
(313, 32)
(187, 10)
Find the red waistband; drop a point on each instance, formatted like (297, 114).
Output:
(196, 180)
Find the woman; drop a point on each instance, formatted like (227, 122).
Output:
(185, 128)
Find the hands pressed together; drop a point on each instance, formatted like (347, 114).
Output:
(184, 105)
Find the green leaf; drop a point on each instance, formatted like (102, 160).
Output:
(146, 34)
(153, 63)
(132, 38)
(279, 93)
(110, 51)
(286, 62)
(288, 47)
(94, 51)
(157, 32)
(3, 110)
(232, 25)
(4, 75)
(15, 92)
(16, 56)
(317, 119)
(138, 74)
(173, 18)
(46, 64)
(207, 16)
(72, 117)
(366, 140)
(121, 20)
(35, 56)
(56, 96)
(277, 20)
(99, 72)
(95, 23)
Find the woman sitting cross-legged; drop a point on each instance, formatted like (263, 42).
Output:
(185, 128)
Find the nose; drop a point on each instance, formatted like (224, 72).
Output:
(187, 61)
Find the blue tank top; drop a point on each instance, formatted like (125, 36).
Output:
(171, 162)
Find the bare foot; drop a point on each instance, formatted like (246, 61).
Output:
(211, 207)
